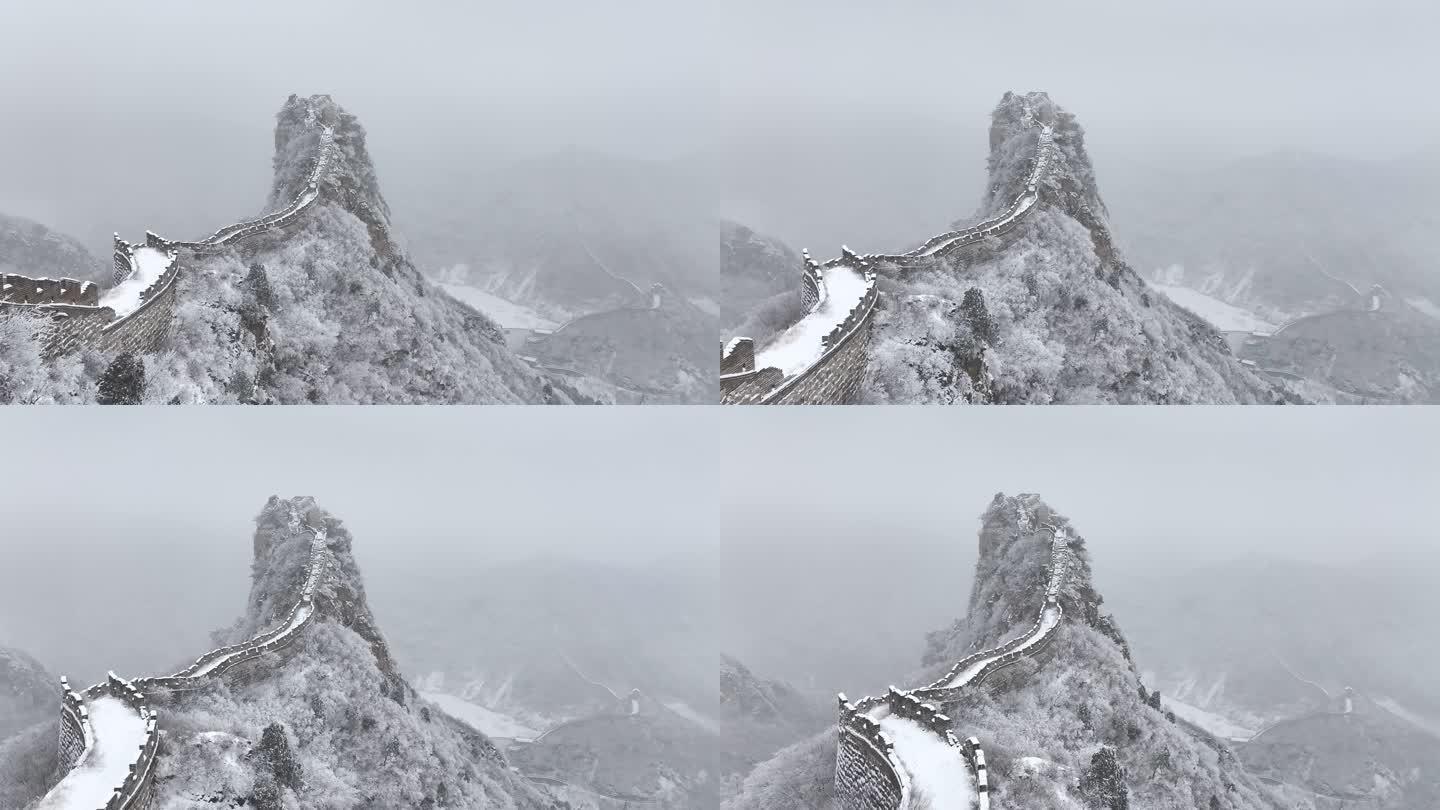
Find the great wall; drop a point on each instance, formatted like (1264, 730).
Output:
(897, 746)
(822, 358)
(135, 315)
(110, 733)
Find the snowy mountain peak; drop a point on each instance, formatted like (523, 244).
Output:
(349, 181)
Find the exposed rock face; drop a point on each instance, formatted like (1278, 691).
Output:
(351, 731)
(1070, 321)
(1046, 721)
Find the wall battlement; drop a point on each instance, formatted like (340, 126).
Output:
(862, 778)
(835, 377)
(74, 318)
(77, 734)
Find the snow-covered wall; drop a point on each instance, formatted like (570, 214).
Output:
(137, 789)
(835, 378)
(867, 777)
(74, 726)
(74, 317)
(860, 777)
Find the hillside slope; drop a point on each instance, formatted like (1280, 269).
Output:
(326, 720)
(1054, 312)
(754, 268)
(31, 249)
(331, 310)
(1046, 721)
(27, 691)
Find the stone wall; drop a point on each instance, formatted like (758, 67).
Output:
(137, 790)
(74, 726)
(15, 289)
(866, 776)
(859, 784)
(834, 379)
(975, 758)
(812, 283)
(74, 320)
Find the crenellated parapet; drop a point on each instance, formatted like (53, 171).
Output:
(867, 775)
(833, 378)
(812, 283)
(78, 315)
(835, 375)
(860, 723)
(17, 289)
(78, 734)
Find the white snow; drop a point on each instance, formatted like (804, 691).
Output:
(487, 721)
(1218, 725)
(937, 769)
(119, 733)
(124, 297)
(295, 621)
(689, 713)
(1425, 305)
(506, 313)
(1425, 724)
(1048, 619)
(800, 345)
(1222, 316)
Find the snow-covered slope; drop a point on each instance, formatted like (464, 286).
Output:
(27, 691)
(1070, 728)
(31, 249)
(327, 309)
(1048, 312)
(755, 268)
(322, 718)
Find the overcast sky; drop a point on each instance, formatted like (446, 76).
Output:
(833, 508)
(114, 516)
(863, 123)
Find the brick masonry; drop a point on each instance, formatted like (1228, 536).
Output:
(865, 779)
(73, 319)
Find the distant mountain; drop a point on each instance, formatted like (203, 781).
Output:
(1283, 234)
(759, 717)
(1257, 638)
(655, 755)
(1055, 313)
(28, 694)
(657, 350)
(1068, 727)
(329, 309)
(487, 636)
(753, 268)
(31, 249)
(322, 715)
(1365, 758)
(567, 234)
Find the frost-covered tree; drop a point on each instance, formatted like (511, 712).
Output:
(123, 382)
(1103, 783)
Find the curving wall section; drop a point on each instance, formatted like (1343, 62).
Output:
(834, 375)
(869, 772)
(77, 314)
(79, 738)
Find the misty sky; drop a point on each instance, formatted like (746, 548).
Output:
(159, 113)
(824, 506)
(167, 522)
